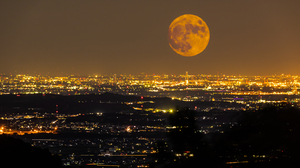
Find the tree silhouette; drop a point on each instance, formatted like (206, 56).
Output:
(17, 153)
(265, 138)
(187, 147)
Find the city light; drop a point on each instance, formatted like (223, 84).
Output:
(133, 85)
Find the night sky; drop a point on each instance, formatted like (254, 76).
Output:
(85, 37)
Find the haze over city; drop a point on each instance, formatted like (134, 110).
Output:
(107, 37)
(149, 83)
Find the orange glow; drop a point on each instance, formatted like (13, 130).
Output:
(188, 35)
(11, 132)
(128, 129)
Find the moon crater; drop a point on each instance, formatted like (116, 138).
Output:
(188, 35)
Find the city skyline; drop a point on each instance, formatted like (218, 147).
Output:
(147, 85)
(116, 37)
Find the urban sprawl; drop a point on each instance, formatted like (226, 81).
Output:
(130, 112)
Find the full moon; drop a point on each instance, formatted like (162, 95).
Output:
(188, 35)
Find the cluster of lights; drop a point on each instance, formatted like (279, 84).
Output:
(26, 84)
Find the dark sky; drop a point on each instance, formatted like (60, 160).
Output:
(63, 37)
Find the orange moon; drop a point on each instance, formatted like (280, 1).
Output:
(188, 35)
